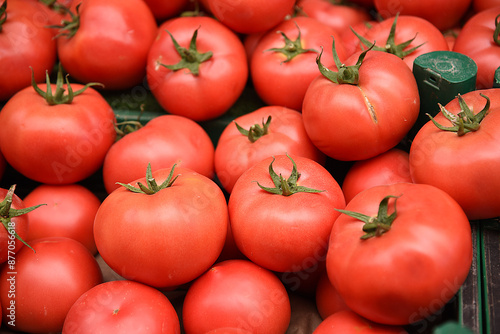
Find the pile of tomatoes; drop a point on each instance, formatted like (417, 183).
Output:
(318, 191)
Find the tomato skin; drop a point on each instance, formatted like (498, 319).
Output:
(163, 10)
(69, 211)
(221, 78)
(285, 83)
(472, 157)
(47, 283)
(62, 143)
(342, 125)
(390, 167)
(24, 42)
(480, 5)
(235, 153)
(173, 235)
(163, 141)
(284, 233)
(348, 322)
(412, 270)
(476, 41)
(328, 301)
(123, 306)
(236, 294)
(96, 52)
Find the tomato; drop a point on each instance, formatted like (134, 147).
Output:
(390, 167)
(163, 10)
(213, 67)
(122, 306)
(479, 39)
(282, 210)
(283, 63)
(174, 230)
(265, 131)
(250, 16)
(471, 156)
(38, 290)
(236, 294)
(431, 10)
(95, 50)
(68, 211)
(480, 5)
(360, 118)
(399, 253)
(24, 42)
(328, 301)
(412, 37)
(163, 141)
(65, 137)
(348, 322)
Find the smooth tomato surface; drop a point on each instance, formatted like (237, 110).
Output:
(349, 322)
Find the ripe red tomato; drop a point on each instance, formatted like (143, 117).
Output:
(60, 143)
(163, 141)
(111, 43)
(68, 211)
(285, 228)
(359, 120)
(349, 322)
(24, 43)
(213, 67)
(38, 290)
(163, 10)
(328, 301)
(283, 62)
(431, 10)
(472, 157)
(236, 294)
(404, 256)
(285, 133)
(122, 306)
(173, 234)
(479, 39)
(392, 166)
(250, 16)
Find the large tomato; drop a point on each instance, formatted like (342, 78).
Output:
(163, 141)
(462, 157)
(68, 211)
(236, 294)
(174, 227)
(57, 138)
(349, 322)
(282, 210)
(479, 39)
(37, 291)
(122, 307)
(258, 135)
(24, 42)
(110, 44)
(361, 108)
(283, 62)
(197, 67)
(399, 253)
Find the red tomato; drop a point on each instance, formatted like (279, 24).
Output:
(480, 5)
(250, 16)
(422, 35)
(60, 143)
(285, 228)
(38, 290)
(431, 10)
(463, 165)
(218, 74)
(69, 211)
(173, 234)
(95, 52)
(348, 322)
(122, 306)
(390, 167)
(163, 10)
(404, 257)
(236, 152)
(283, 63)
(24, 43)
(236, 294)
(359, 120)
(479, 40)
(163, 141)
(328, 300)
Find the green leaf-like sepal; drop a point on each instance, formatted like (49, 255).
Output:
(256, 131)
(151, 187)
(291, 48)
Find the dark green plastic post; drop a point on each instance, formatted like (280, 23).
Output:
(496, 79)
